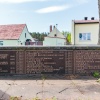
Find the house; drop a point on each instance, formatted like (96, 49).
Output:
(85, 32)
(55, 38)
(14, 34)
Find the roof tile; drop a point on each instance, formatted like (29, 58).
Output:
(11, 31)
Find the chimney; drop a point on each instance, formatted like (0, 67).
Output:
(54, 27)
(85, 18)
(50, 28)
(92, 18)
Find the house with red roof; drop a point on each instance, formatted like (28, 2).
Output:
(14, 35)
(55, 38)
(85, 32)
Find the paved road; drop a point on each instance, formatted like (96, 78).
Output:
(85, 88)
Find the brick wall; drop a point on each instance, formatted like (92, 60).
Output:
(49, 60)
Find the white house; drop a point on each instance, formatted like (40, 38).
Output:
(85, 32)
(14, 34)
(55, 38)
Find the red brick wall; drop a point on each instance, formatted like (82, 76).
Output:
(49, 61)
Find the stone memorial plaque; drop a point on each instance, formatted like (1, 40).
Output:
(45, 61)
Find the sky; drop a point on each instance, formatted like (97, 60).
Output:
(40, 14)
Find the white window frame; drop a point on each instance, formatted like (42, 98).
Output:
(1, 42)
(85, 36)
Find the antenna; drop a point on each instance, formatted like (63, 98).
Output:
(56, 34)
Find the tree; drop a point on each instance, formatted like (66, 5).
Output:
(39, 36)
(68, 36)
(65, 33)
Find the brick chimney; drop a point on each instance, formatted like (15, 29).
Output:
(85, 18)
(50, 28)
(92, 18)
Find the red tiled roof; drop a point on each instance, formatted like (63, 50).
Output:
(13, 31)
(86, 21)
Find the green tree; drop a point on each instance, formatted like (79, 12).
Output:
(65, 33)
(38, 35)
(68, 36)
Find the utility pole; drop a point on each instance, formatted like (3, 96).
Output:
(56, 34)
(99, 23)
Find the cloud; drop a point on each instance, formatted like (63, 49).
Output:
(20, 1)
(82, 1)
(53, 9)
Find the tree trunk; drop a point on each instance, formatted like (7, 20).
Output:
(99, 22)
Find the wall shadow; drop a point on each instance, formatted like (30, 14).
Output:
(46, 77)
(4, 96)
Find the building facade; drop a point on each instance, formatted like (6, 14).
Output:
(14, 35)
(85, 32)
(55, 38)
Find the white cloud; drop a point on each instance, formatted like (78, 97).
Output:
(82, 1)
(53, 9)
(20, 1)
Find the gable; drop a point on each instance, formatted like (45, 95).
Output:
(57, 33)
(25, 35)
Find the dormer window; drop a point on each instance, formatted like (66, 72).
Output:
(25, 35)
(55, 35)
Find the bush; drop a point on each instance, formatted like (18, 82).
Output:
(98, 80)
(96, 74)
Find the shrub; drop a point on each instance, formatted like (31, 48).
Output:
(96, 74)
(98, 80)
(14, 98)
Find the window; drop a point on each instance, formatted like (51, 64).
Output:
(88, 36)
(84, 36)
(1, 42)
(55, 35)
(25, 35)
